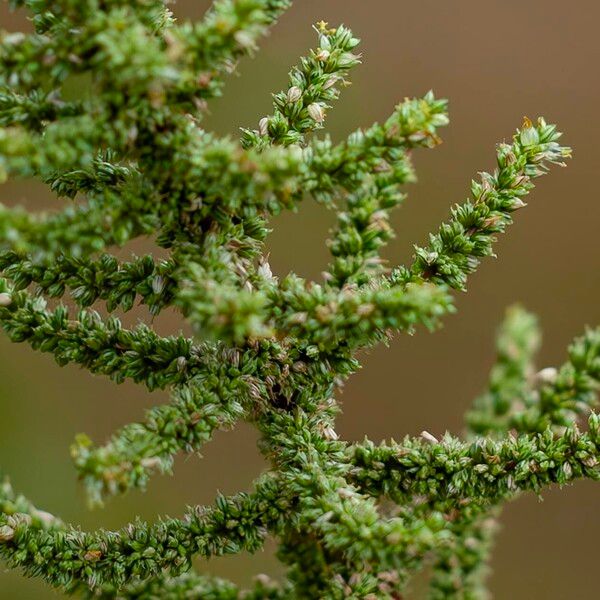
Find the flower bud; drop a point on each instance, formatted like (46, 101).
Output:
(5, 299)
(529, 135)
(263, 126)
(264, 270)
(348, 60)
(151, 462)
(245, 40)
(45, 517)
(492, 221)
(324, 42)
(428, 437)
(6, 533)
(567, 470)
(365, 309)
(294, 94)
(316, 112)
(330, 82)
(431, 257)
(516, 204)
(547, 375)
(158, 284)
(519, 180)
(329, 433)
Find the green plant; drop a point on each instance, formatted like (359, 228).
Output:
(351, 520)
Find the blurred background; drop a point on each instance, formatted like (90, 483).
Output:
(496, 61)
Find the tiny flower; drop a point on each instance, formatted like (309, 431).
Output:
(5, 299)
(492, 221)
(428, 437)
(6, 533)
(471, 543)
(18, 37)
(472, 262)
(315, 110)
(322, 26)
(263, 579)
(348, 60)
(158, 284)
(529, 135)
(516, 204)
(547, 375)
(330, 433)
(245, 40)
(431, 257)
(346, 493)
(322, 55)
(45, 517)
(152, 462)
(294, 94)
(365, 309)
(263, 126)
(264, 270)
(92, 555)
(330, 82)
(19, 519)
(324, 42)
(519, 180)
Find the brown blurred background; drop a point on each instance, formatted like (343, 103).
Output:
(495, 61)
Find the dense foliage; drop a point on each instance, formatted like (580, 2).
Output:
(104, 103)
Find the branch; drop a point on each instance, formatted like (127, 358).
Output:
(71, 559)
(120, 206)
(118, 283)
(567, 393)
(320, 317)
(33, 109)
(350, 318)
(106, 348)
(364, 227)
(503, 407)
(229, 30)
(517, 343)
(483, 472)
(215, 400)
(218, 282)
(337, 529)
(192, 585)
(301, 108)
(461, 566)
(454, 252)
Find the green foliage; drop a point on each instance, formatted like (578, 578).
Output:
(132, 159)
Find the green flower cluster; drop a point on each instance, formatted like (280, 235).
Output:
(131, 158)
